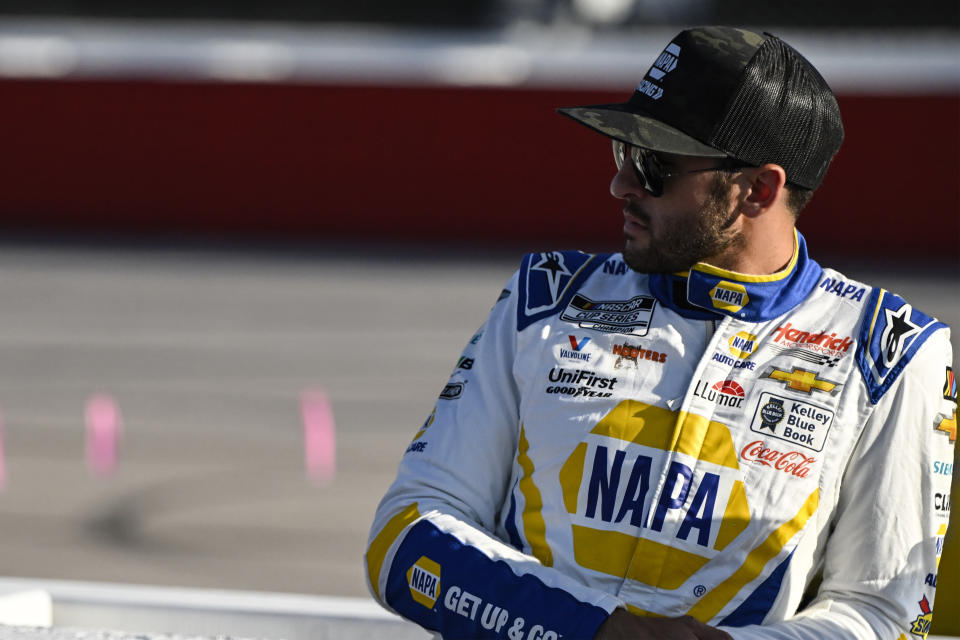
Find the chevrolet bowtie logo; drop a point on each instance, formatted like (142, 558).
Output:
(802, 380)
(949, 426)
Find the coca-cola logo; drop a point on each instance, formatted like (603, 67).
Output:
(792, 462)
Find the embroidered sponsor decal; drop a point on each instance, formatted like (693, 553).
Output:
(452, 391)
(576, 352)
(921, 626)
(631, 316)
(742, 344)
(426, 424)
(817, 348)
(802, 380)
(465, 363)
(627, 352)
(424, 581)
(493, 617)
(950, 386)
(931, 580)
(732, 363)
(792, 420)
(727, 393)
(890, 340)
(614, 267)
(579, 382)
(792, 462)
(949, 427)
(942, 468)
(664, 64)
(840, 288)
(729, 296)
(941, 504)
(898, 329)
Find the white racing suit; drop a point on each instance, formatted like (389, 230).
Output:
(768, 454)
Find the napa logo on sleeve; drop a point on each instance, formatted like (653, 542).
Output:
(729, 296)
(424, 580)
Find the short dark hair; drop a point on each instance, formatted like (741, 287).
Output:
(797, 198)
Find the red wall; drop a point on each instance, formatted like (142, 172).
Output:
(429, 164)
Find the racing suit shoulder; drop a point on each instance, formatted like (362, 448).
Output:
(547, 281)
(890, 335)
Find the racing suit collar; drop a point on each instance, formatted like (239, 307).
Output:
(707, 292)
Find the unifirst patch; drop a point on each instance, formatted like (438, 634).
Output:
(729, 296)
(424, 581)
(794, 421)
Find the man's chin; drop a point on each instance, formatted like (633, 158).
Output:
(648, 261)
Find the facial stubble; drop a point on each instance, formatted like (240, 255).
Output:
(690, 238)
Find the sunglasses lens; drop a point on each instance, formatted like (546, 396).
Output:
(619, 153)
(648, 167)
(645, 165)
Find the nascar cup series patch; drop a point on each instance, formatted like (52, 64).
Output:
(424, 581)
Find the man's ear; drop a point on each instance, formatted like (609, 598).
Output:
(766, 187)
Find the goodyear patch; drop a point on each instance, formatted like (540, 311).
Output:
(729, 296)
(423, 579)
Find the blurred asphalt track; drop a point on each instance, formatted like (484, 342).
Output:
(207, 352)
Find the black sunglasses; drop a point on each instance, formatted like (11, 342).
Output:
(649, 168)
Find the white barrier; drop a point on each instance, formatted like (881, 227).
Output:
(170, 613)
(199, 612)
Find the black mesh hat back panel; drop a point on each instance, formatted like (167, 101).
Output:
(782, 112)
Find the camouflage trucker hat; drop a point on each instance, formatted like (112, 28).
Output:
(726, 92)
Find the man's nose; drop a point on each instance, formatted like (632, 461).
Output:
(626, 182)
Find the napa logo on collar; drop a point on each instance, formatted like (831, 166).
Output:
(729, 296)
(424, 581)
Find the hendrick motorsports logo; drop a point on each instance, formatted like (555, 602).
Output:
(817, 348)
(612, 316)
(424, 581)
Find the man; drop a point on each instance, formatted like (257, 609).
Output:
(706, 436)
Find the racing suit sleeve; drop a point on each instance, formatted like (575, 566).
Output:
(882, 553)
(434, 555)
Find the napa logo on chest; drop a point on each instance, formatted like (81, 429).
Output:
(620, 510)
(424, 581)
(729, 296)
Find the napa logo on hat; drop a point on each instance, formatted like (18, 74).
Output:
(729, 296)
(424, 581)
(664, 64)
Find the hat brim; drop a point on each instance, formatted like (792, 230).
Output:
(615, 121)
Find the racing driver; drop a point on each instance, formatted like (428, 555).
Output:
(707, 435)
